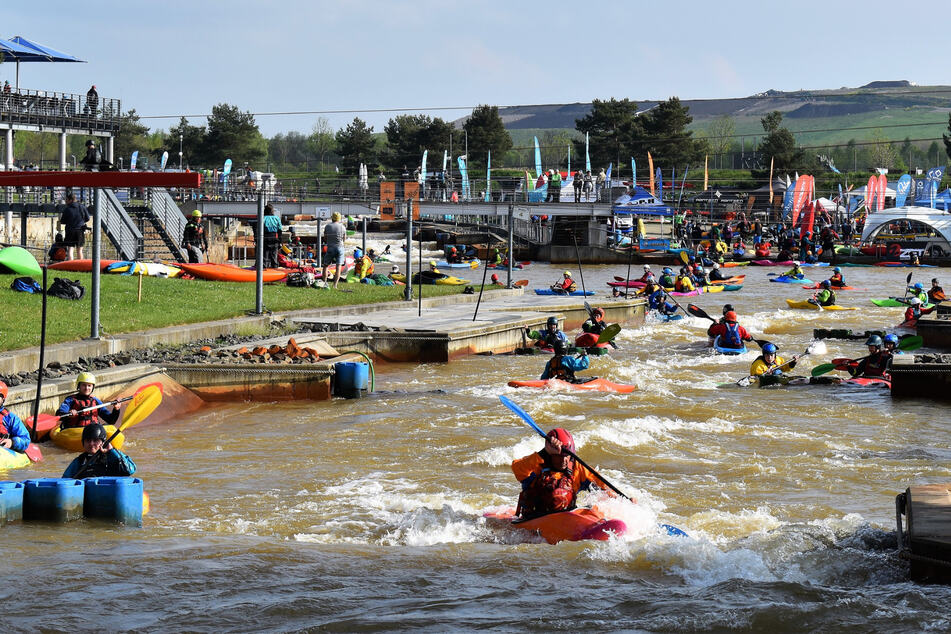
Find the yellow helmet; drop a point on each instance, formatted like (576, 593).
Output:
(567, 273)
(196, 214)
(85, 377)
(432, 263)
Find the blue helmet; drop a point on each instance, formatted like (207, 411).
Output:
(891, 338)
(826, 284)
(357, 253)
(837, 269)
(918, 286)
(769, 348)
(667, 269)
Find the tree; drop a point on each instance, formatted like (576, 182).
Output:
(666, 135)
(554, 148)
(486, 132)
(191, 140)
(779, 144)
(132, 136)
(292, 148)
(321, 140)
(355, 145)
(881, 151)
(233, 134)
(408, 136)
(720, 135)
(612, 127)
(947, 139)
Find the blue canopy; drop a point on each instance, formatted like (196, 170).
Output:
(21, 49)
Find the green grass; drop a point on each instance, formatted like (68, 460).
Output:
(167, 302)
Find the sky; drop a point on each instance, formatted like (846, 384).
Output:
(173, 58)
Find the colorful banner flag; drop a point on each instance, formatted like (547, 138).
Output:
(164, 160)
(706, 172)
(538, 159)
(135, 159)
(587, 157)
(488, 177)
(633, 173)
(901, 190)
(650, 171)
(771, 159)
(880, 194)
(660, 185)
(871, 189)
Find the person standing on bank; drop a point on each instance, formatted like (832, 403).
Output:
(272, 237)
(74, 219)
(335, 234)
(194, 240)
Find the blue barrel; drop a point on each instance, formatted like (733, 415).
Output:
(350, 378)
(112, 498)
(11, 502)
(53, 499)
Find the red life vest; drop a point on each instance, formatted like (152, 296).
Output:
(549, 492)
(83, 418)
(4, 432)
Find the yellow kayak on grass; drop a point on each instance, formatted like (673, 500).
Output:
(807, 305)
(428, 277)
(71, 438)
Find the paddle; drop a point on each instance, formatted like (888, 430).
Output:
(671, 530)
(907, 288)
(684, 257)
(144, 402)
(609, 333)
(745, 381)
(696, 311)
(908, 343)
(520, 283)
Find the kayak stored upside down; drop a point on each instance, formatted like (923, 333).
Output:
(576, 525)
(595, 385)
(229, 273)
(805, 304)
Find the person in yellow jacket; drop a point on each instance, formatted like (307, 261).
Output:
(769, 363)
(683, 283)
(362, 264)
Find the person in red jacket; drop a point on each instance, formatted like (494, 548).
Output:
(732, 335)
(551, 478)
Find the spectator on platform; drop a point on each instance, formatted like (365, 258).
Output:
(92, 102)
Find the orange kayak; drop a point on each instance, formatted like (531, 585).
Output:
(594, 385)
(230, 273)
(576, 525)
(79, 266)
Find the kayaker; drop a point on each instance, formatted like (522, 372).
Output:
(935, 293)
(699, 277)
(70, 413)
(551, 478)
(769, 363)
(496, 259)
(915, 309)
(566, 285)
(433, 268)
(825, 296)
(795, 271)
(595, 322)
(683, 283)
(13, 433)
(810, 258)
(726, 309)
(99, 459)
(717, 275)
(495, 280)
(836, 279)
(194, 240)
(890, 342)
(648, 274)
(918, 290)
(876, 364)
(667, 279)
(394, 270)
(563, 366)
(551, 334)
(656, 299)
(914, 260)
(732, 335)
(362, 264)
(452, 255)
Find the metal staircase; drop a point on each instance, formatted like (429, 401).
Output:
(119, 227)
(167, 221)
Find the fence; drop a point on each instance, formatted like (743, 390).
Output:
(59, 110)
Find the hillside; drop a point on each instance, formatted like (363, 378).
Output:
(876, 108)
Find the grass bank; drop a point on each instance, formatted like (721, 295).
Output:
(167, 302)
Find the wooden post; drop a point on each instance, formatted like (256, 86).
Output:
(140, 287)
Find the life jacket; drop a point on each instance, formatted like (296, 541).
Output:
(4, 432)
(877, 363)
(731, 338)
(548, 492)
(557, 371)
(82, 418)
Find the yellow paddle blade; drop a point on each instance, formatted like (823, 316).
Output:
(144, 403)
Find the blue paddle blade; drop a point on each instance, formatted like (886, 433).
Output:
(521, 414)
(673, 531)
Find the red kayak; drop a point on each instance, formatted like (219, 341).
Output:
(770, 263)
(818, 285)
(44, 425)
(576, 525)
(230, 273)
(79, 266)
(589, 340)
(868, 381)
(595, 385)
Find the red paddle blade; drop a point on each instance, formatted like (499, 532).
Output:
(33, 453)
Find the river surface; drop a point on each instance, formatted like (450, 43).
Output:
(366, 515)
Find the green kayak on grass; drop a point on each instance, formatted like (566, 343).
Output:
(19, 261)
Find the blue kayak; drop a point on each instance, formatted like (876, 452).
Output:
(784, 279)
(814, 264)
(663, 317)
(722, 350)
(548, 291)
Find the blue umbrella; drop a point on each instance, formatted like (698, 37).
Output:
(21, 49)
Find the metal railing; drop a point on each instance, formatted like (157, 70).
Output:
(59, 109)
(170, 217)
(120, 227)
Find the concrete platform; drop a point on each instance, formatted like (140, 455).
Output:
(935, 328)
(925, 536)
(921, 375)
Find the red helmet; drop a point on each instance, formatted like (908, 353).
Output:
(730, 316)
(495, 277)
(564, 436)
(598, 311)
(4, 390)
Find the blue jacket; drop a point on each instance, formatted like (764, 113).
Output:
(272, 224)
(110, 463)
(16, 430)
(550, 337)
(106, 416)
(569, 363)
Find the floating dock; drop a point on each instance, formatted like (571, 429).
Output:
(924, 538)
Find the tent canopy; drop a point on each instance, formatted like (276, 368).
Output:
(20, 49)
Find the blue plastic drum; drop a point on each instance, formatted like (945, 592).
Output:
(350, 378)
(114, 498)
(11, 502)
(53, 499)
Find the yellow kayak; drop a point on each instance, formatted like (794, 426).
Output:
(807, 305)
(428, 277)
(71, 438)
(10, 459)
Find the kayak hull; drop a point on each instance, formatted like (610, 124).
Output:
(803, 304)
(594, 385)
(548, 291)
(575, 525)
(782, 279)
(19, 261)
(71, 438)
(868, 381)
(229, 273)
(894, 302)
(771, 263)
(80, 266)
(10, 459)
(727, 351)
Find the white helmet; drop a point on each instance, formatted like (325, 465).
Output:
(796, 262)
(716, 265)
(647, 267)
(915, 301)
(394, 269)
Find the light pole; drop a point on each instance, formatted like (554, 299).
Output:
(180, 139)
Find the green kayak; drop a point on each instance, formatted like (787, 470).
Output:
(20, 261)
(895, 302)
